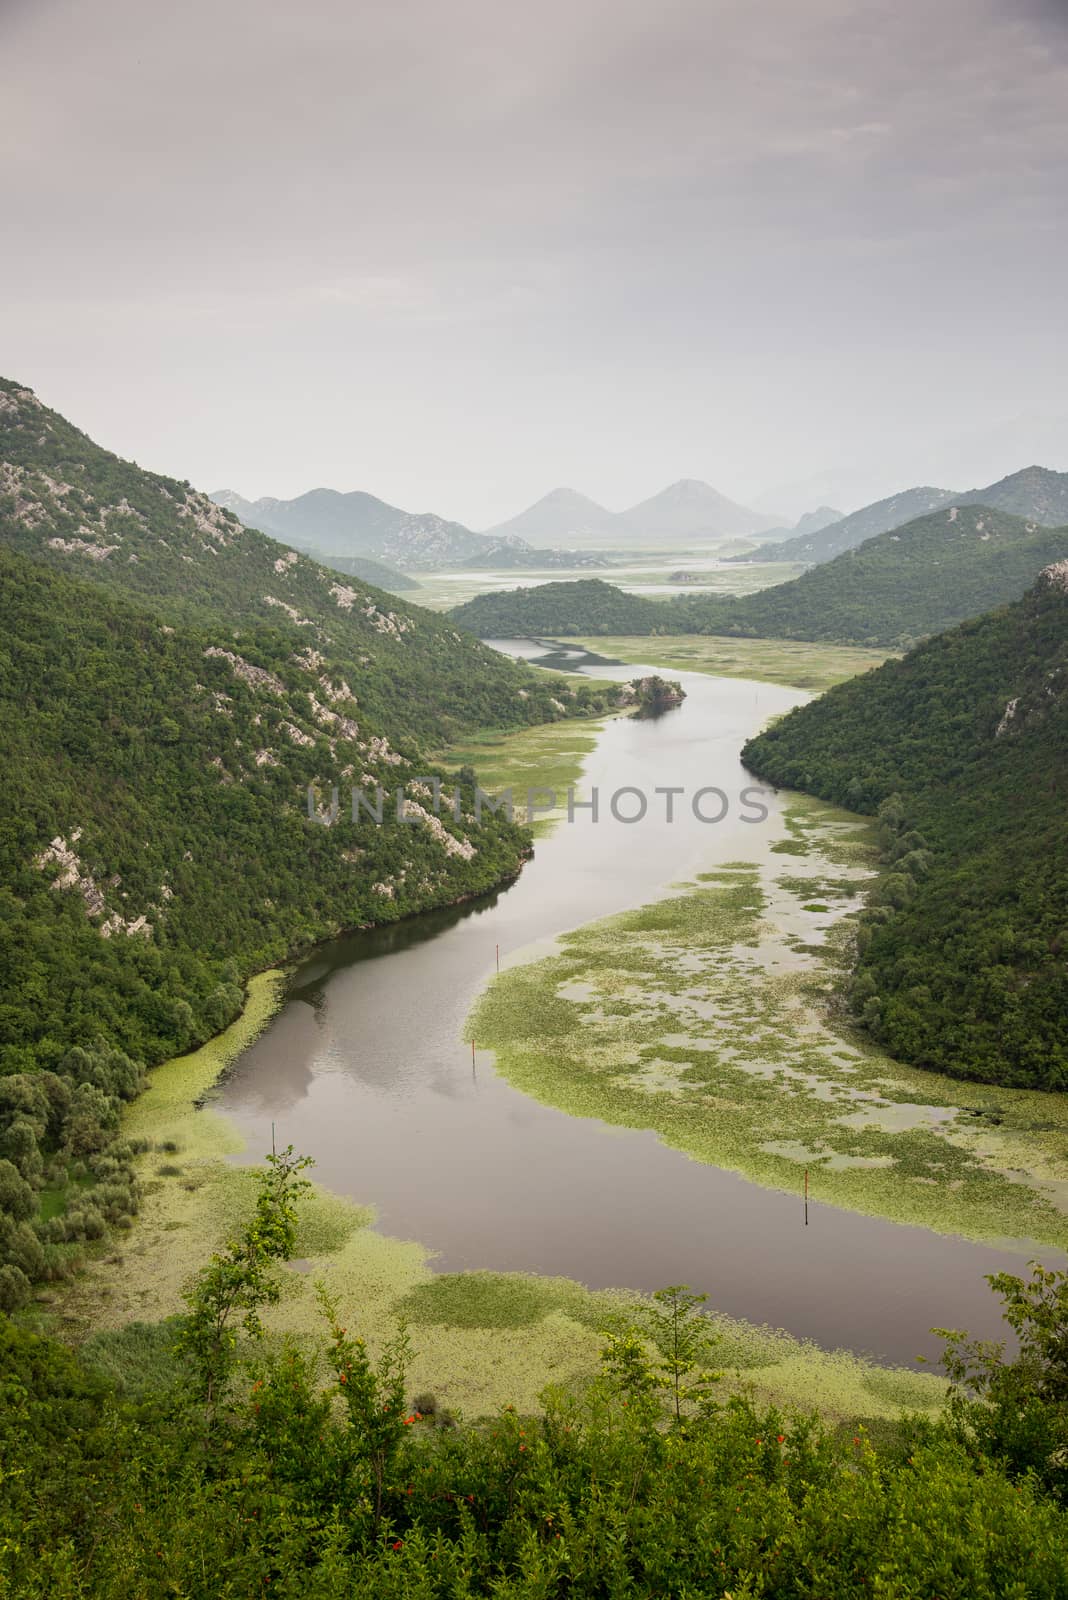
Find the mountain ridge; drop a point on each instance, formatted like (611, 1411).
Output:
(920, 579)
(356, 523)
(1034, 492)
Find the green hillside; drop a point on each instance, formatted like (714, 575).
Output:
(155, 849)
(66, 501)
(890, 591)
(587, 605)
(962, 747)
(368, 570)
(162, 716)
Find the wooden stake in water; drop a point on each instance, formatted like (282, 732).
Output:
(498, 958)
(274, 1152)
(806, 1197)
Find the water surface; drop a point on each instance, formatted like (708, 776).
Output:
(364, 1068)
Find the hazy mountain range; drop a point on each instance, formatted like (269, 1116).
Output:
(893, 589)
(686, 511)
(337, 525)
(1035, 493)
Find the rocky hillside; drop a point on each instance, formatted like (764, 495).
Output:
(359, 524)
(1036, 494)
(813, 545)
(67, 502)
(157, 847)
(962, 749)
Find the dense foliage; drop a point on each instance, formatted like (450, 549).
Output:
(65, 501)
(220, 1469)
(368, 570)
(155, 841)
(962, 748)
(890, 591)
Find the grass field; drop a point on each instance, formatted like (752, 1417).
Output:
(706, 1018)
(481, 1339)
(789, 661)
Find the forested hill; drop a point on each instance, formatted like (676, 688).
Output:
(890, 591)
(586, 605)
(964, 745)
(66, 501)
(1037, 494)
(156, 748)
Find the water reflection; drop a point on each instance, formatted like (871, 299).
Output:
(366, 1070)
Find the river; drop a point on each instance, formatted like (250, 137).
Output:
(365, 1069)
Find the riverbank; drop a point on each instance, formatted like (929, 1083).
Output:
(481, 1339)
(711, 1018)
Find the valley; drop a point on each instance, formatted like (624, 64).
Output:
(694, 1026)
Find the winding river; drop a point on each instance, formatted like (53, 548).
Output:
(365, 1069)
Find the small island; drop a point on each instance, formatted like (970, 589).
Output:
(653, 695)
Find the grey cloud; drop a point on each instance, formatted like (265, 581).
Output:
(628, 241)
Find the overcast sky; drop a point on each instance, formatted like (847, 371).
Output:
(456, 252)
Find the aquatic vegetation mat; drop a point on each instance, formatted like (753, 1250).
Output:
(481, 1339)
(788, 661)
(712, 1018)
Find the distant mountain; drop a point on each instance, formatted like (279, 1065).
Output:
(815, 521)
(811, 522)
(892, 590)
(69, 503)
(358, 524)
(1035, 493)
(560, 514)
(962, 747)
(686, 512)
(823, 544)
(691, 509)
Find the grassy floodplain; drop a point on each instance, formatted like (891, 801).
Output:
(439, 591)
(548, 756)
(790, 661)
(711, 1018)
(481, 1339)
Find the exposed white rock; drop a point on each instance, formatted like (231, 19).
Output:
(344, 727)
(309, 659)
(285, 562)
(336, 694)
(265, 758)
(73, 875)
(386, 621)
(209, 519)
(1008, 718)
(83, 547)
(296, 734)
(377, 749)
(1056, 574)
(451, 846)
(385, 889)
(291, 611)
(258, 677)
